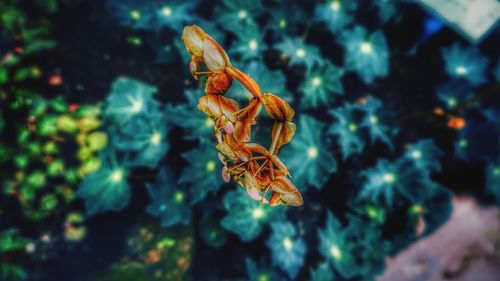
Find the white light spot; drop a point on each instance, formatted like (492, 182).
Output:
(287, 243)
(30, 247)
(300, 53)
(282, 23)
(312, 152)
(166, 11)
(135, 14)
(117, 176)
(210, 166)
(242, 14)
(335, 252)
(389, 177)
(257, 213)
(136, 106)
(373, 119)
(253, 45)
(366, 47)
(179, 197)
(316, 81)
(156, 138)
(353, 127)
(461, 70)
(335, 5)
(416, 154)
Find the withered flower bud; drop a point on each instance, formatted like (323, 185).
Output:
(277, 107)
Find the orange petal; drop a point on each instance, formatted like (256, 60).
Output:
(290, 195)
(275, 199)
(228, 107)
(257, 148)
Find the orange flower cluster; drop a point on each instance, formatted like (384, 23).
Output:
(256, 168)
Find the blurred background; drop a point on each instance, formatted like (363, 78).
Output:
(108, 171)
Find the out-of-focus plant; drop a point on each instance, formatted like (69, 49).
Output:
(287, 248)
(465, 63)
(367, 54)
(11, 246)
(153, 253)
(34, 168)
(308, 156)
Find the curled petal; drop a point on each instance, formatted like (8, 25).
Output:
(278, 108)
(193, 38)
(281, 166)
(214, 56)
(257, 148)
(225, 174)
(275, 199)
(286, 133)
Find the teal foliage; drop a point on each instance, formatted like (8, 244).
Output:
(107, 188)
(365, 53)
(336, 15)
(247, 217)
(322, 272)
(236, 15)
(298, 52)
(260, 271)
(203, 173)
(170, 201)
(249, 44)
(152, 15)
(196, 123)
(465, 63)
(356, 124)
(321, 84)
(407, 177)
(287, 248)
(454, 93)
(128, 99)
(346, 248)
(144, 138)
(137, 125)
(492, 175)
(318, 163)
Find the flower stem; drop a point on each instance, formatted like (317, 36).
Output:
(246, 80)
(275, 138)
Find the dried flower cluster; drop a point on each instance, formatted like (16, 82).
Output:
(256, 168)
